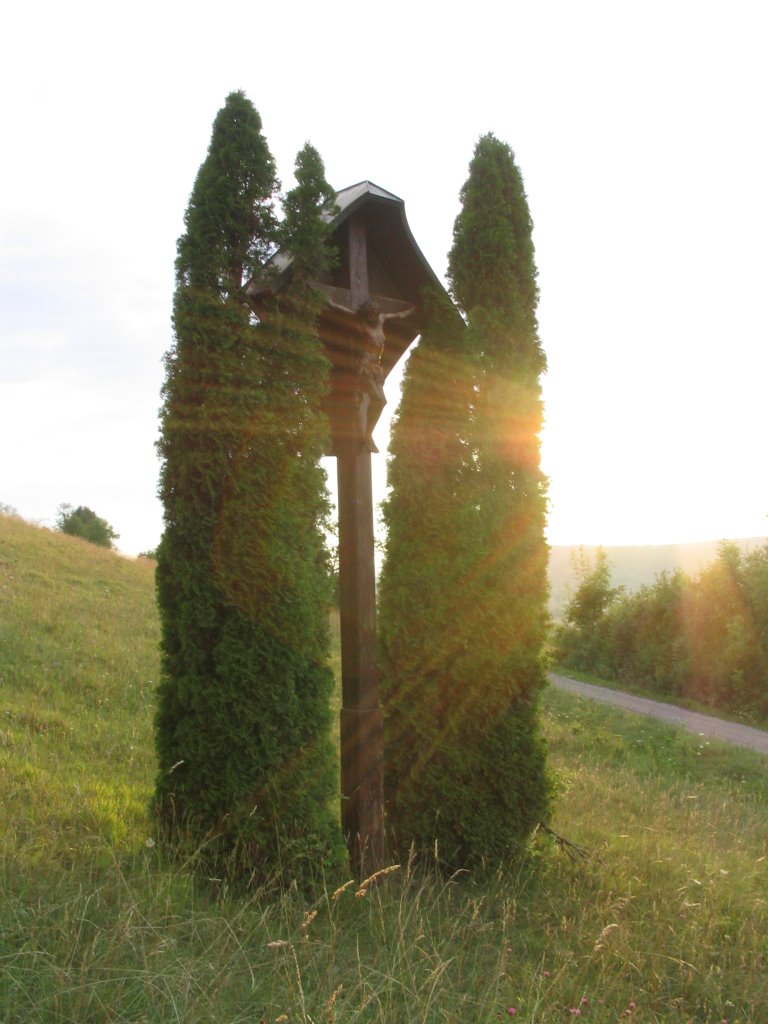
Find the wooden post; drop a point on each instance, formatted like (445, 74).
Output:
(362, 757)
(362, 761)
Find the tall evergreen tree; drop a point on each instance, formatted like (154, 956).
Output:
(243, 722)
(463, 589)
(308, 210)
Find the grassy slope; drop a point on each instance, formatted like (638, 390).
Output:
(669, 912)
(78, 668)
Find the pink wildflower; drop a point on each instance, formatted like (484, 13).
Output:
(584, 1001)
(632, 1004)
(575, 1011)
(511, 1010)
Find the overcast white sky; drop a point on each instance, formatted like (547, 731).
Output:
(640, 132)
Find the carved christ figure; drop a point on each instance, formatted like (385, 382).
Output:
(368, 321)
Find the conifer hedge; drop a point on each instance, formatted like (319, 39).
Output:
(246, 767)
(463, 589)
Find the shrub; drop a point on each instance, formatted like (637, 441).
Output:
(84, 523)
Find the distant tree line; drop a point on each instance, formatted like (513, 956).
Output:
(703, 638)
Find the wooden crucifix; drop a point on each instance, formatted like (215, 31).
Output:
(370, 318)
(357, 399)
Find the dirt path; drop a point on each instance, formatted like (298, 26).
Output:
(704, 725)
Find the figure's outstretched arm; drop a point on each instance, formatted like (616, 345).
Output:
(398, 316)
(337, 305)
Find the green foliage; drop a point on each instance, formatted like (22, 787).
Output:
(724, 622)
(491, 265)
(84, 523)
(594, 593)
(641, 636)
(243, 721)
(463, 587)
(578, 641)
(230, 223)
(308, 210)
(702, 638)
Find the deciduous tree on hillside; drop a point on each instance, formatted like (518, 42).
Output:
(84, 523)
(579, 640)
(243, 722)
(463, 589)
(594, 592)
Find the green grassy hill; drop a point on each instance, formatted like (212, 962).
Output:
(78, 668)
(666, 920)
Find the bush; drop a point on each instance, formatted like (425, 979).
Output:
(84, 523)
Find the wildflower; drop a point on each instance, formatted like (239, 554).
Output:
(584, 1001)
(511, 1010)
(632, 1004)
(149, 843)
(575, 1011)
(547, 974)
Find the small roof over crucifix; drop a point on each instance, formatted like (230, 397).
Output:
(378, 259)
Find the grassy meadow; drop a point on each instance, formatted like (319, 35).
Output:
(665, 919)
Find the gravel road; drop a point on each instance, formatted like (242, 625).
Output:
(703, 725)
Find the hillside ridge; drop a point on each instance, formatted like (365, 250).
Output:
(634, 566)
